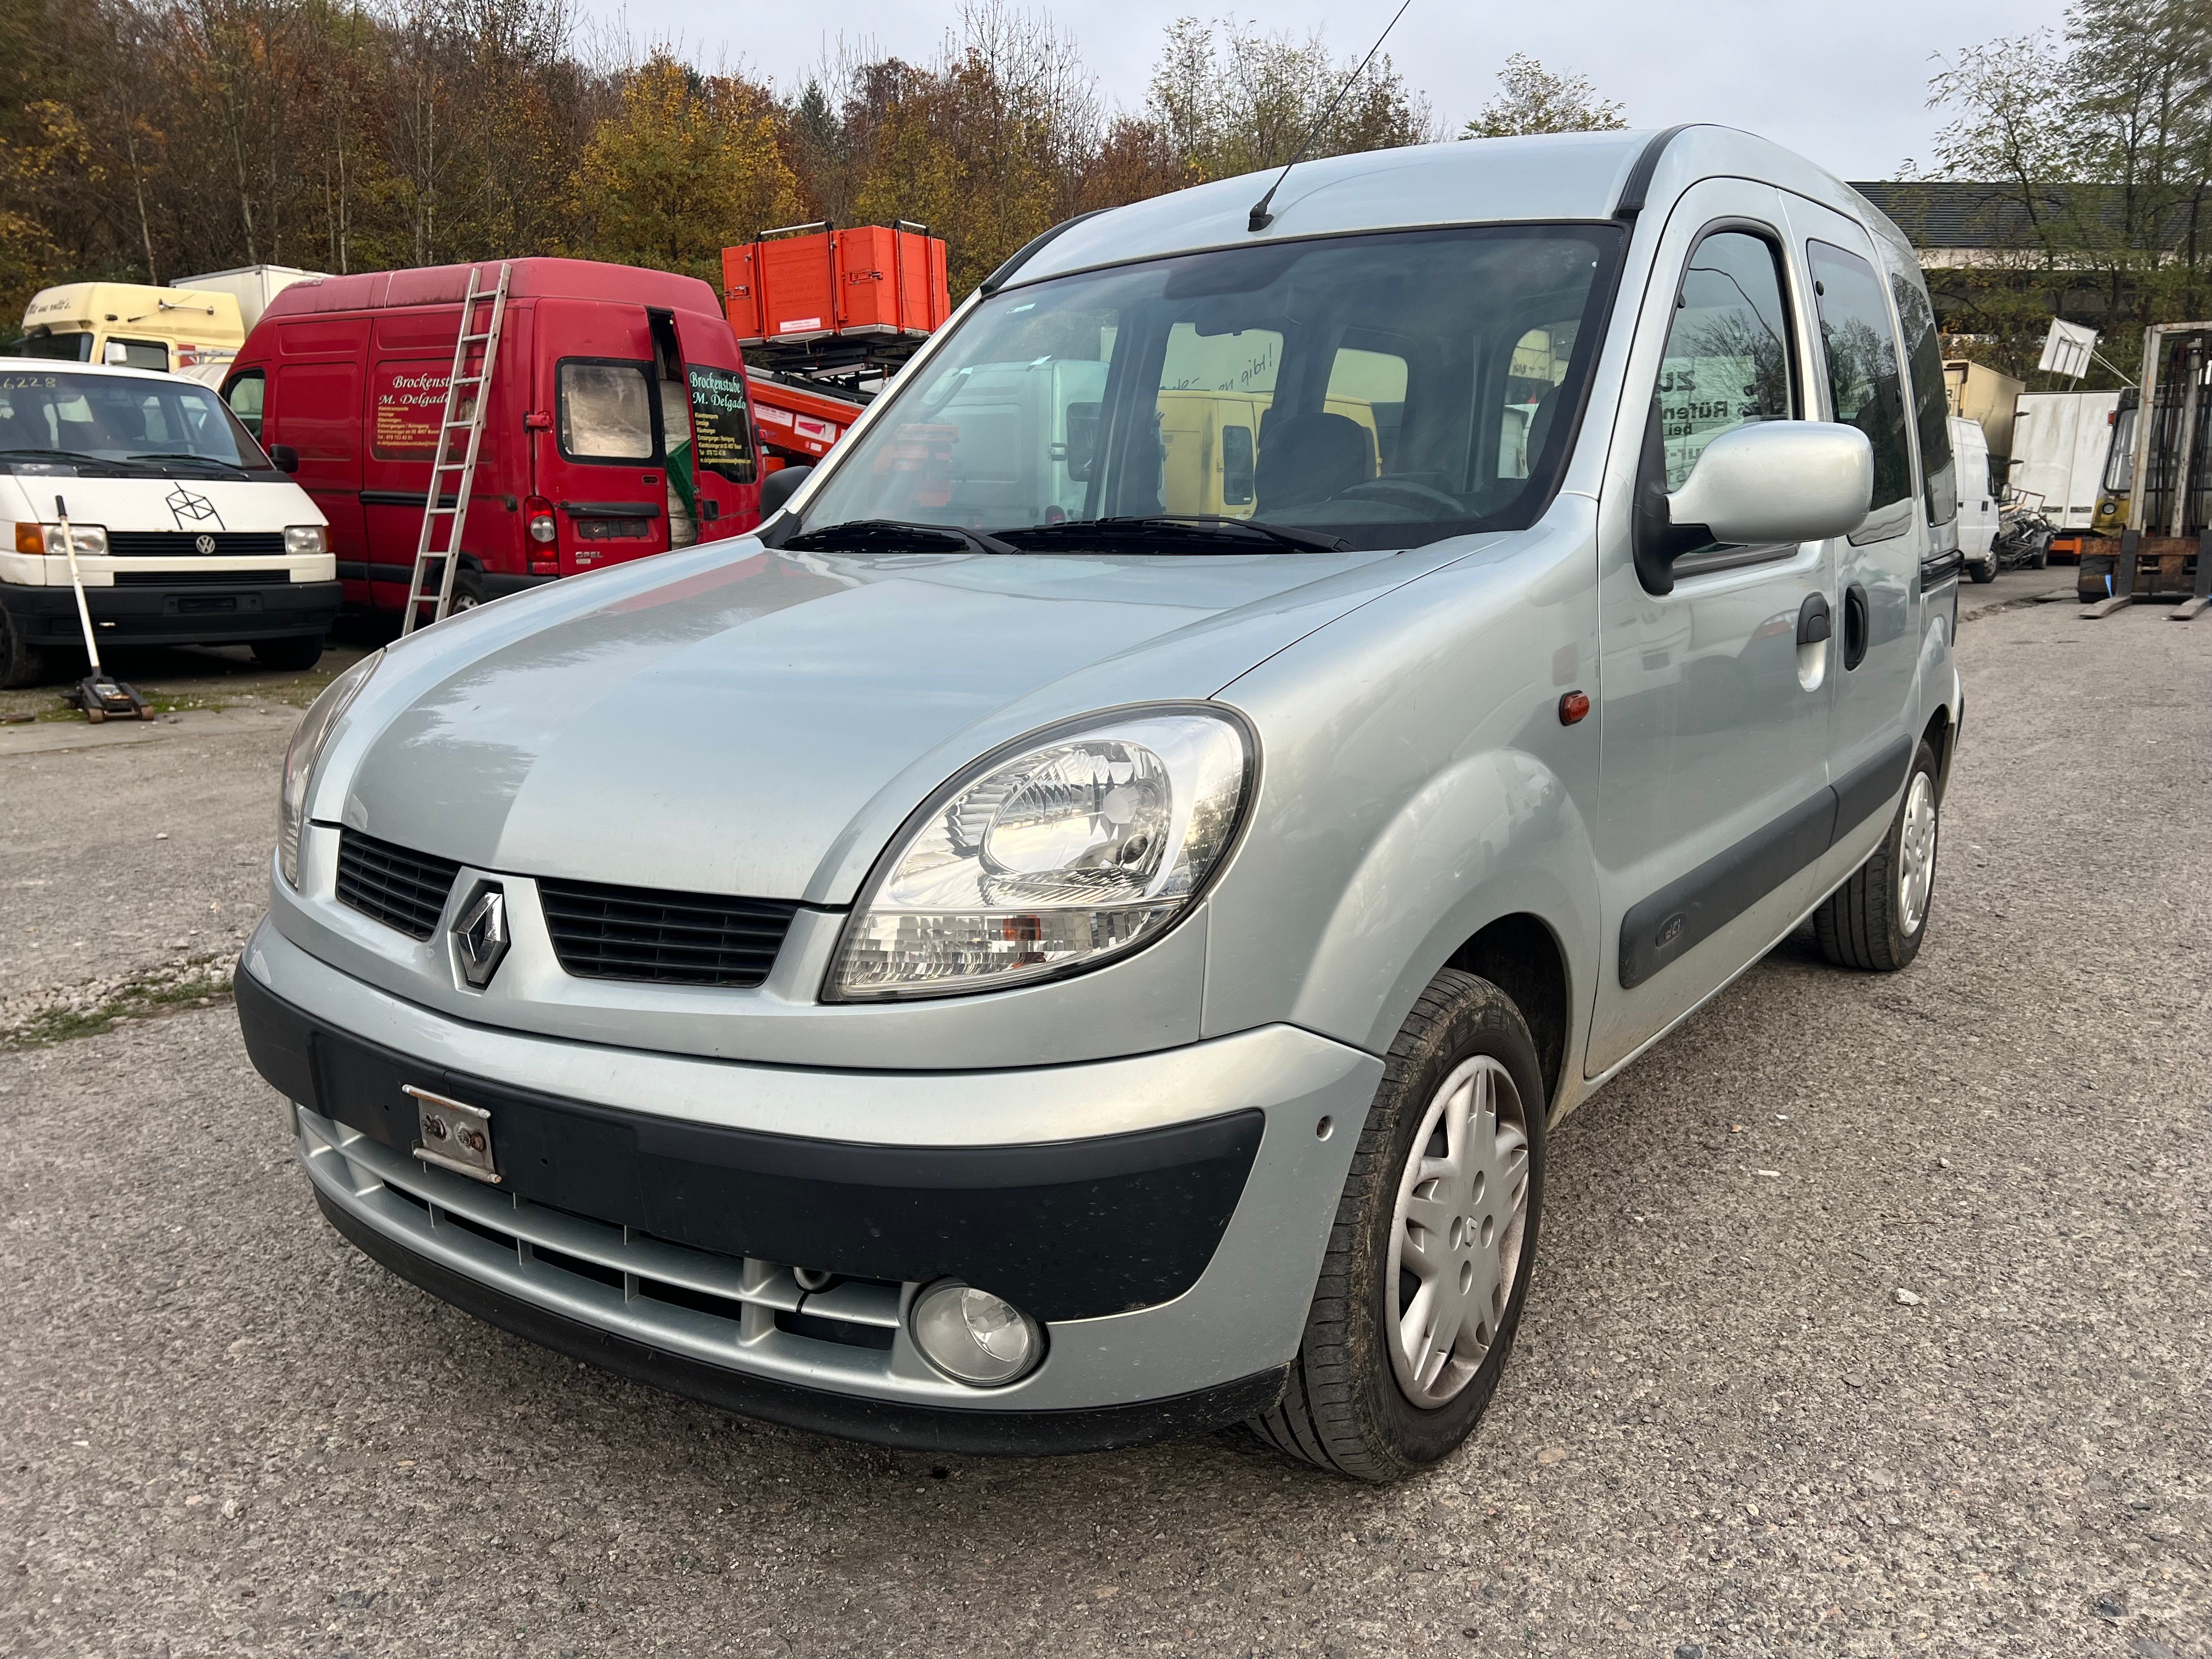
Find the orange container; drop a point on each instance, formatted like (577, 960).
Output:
(871, 279)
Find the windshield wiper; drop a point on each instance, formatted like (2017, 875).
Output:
(858, 534)
(67, 456)
(1206, 526)
(186, 455)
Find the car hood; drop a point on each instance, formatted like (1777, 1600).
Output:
(196, 503)
(748, 721)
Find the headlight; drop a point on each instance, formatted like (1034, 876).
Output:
(306, 748)
(1057, 859)
(91, 539)
(305, 538)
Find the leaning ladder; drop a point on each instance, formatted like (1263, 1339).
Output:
(482, 350)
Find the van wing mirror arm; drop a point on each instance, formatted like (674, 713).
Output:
(1657, 540)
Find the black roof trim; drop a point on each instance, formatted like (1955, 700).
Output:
(1639, 176)
(1022, 255)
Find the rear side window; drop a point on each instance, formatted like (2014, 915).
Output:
(606, 410)
(1863, 377)
(245, 395)
(1727, 362)
(1924, 362)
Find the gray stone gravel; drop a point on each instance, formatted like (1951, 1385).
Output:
(1723, 1434)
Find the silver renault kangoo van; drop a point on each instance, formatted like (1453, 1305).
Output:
(1076, 932)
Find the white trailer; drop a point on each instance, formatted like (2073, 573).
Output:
(253, 285)
(2059, 441)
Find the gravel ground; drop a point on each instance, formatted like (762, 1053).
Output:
(1874, 1314)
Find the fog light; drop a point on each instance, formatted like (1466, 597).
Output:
(975, 1337)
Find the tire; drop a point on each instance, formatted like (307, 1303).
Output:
(2042, 559)
(1867, 923)
(468, 593)
(1347, 1407)
(21, 663)
(1983, 572)
(290, 656)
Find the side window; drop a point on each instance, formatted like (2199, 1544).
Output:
(1727, 362)
(1863, 377)
(137, 354)
(245, 394)
(1925, 357)
(606, 411)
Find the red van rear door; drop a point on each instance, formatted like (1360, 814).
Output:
(722, 449)
(600, 461)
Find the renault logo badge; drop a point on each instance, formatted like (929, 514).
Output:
(480, 937)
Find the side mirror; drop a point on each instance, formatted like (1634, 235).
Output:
(780, 486)
(114, 353)
(284, 458)
(1774, 482)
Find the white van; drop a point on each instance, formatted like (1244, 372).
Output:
(1977, 500)
(186, 533)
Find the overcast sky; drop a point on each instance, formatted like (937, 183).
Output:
(1842, 81)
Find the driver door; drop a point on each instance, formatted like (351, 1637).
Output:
(1713, 770)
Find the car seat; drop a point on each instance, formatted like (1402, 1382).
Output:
(1308, 457)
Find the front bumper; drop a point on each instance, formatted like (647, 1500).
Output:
(195, 613)
(648, 1221)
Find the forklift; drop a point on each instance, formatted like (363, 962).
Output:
(2164, 549)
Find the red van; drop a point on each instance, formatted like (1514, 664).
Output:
(619, 424)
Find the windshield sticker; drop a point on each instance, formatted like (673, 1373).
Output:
(190, 510)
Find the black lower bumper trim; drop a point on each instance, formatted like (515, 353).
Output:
(1064, 1229)
(912, 1428)
(199, 612)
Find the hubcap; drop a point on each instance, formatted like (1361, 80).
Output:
(1455, 1237)
(1915, 879)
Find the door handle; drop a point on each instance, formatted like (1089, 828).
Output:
(1858, 619)
(1813, 622)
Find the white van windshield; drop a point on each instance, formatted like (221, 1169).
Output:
(1372, 391)
(119, 426)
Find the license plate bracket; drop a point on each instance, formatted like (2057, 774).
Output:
(455, 1135)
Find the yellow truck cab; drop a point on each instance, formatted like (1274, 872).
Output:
(131, 325)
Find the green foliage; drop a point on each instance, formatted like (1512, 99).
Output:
(689, 164)
(1534, 100)
(2095, 147)
(1227, 100)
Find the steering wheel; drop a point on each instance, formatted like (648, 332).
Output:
(1402, 492)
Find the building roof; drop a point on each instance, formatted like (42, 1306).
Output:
(1969, 217)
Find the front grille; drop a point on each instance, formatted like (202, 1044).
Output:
(400, 889)
(672, 938)
(737, 1311)
(185, 543)
(180, 578)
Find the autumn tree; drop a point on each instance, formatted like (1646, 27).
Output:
(689, 164)
(1229, 99)
(1532, 98)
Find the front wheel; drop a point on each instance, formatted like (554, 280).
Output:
(1435, 1237)
(292, 656)
(20, 663)
(1876, 919)
(1983, 572)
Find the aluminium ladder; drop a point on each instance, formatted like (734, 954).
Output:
(469, 429)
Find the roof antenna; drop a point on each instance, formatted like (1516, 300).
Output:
(1262, 218)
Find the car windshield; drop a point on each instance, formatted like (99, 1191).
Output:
(118, 423)
(1372, 391)
(68, 347)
